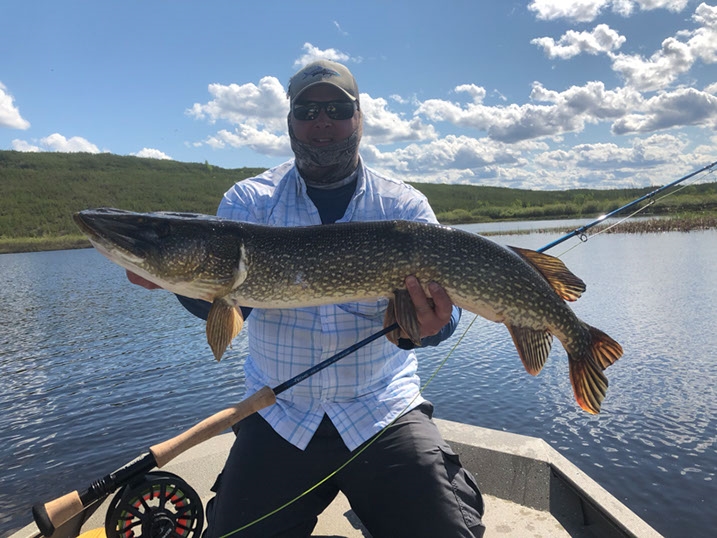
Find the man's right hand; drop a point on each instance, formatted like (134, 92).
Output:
(141, 281)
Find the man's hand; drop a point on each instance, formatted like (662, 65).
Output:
(432, 317)
(140, 281)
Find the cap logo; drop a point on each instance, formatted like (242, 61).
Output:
(322, 71)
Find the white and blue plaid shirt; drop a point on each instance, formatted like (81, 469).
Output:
(362, 392)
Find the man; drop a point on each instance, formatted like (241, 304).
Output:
(405, 481)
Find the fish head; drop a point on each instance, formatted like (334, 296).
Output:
(193, 255)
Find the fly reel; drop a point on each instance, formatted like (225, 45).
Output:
(157, 505)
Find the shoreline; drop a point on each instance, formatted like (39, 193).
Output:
(654, 225)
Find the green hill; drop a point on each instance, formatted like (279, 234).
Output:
(39, 192)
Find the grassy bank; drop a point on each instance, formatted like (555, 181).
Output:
(39, 192)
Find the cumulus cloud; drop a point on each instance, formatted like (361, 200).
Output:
(449, 153)
(588, 10)
(9, 113)
(640, 153)
(676, 56)
(245, 136)
(150, 153)
(601, 39)
(383, 126)
(685, 106)
(57, 142)
(313, 53)
(567, 111)
(23, 145)
(256, 105)
(577, 10)
(653, 160)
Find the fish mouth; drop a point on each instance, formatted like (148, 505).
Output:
(117, 231)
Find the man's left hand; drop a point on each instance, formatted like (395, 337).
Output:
(432, 317)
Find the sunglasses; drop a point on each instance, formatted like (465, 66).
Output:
(336, 110)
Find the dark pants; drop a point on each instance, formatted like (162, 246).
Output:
(407, 483)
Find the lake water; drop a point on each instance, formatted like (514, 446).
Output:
(94, 370)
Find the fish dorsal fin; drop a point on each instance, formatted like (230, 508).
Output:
(533, 347)
(224, 322)
(568, 286)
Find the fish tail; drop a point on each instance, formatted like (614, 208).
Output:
(586, 372)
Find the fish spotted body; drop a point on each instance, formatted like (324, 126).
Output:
(234, 264)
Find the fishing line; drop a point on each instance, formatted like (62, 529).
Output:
(584, 236)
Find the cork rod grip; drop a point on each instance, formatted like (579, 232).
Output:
(51, 515)
(166, 451)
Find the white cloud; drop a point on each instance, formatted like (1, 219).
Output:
(578, 10)
(313, 53)
(588, 10)
(654, 160)
(676, 56)
(382, 126)
(685, 106)
(57, 142)
(568, 111)
(9, 113)
(76, 144)
(423, 162)
(262, 105)
(245, 136)
(477, 93)
(150, 153)
(641, 153)
(601, 39)
(22, 145)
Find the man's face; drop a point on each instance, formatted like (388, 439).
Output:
(323, 131)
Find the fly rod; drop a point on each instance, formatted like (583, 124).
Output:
(49, 516)
(582, 229)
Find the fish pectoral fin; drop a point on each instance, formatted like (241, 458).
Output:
(388, 320)
(568, 286)
(223, 323)
(405, 315)
(586, 373)
(533, 347)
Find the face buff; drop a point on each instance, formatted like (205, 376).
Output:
(326, 165)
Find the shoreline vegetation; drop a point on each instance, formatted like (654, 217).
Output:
(39, 192)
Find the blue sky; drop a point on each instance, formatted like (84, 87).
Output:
(542, 94)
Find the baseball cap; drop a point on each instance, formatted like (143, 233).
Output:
(323, 72)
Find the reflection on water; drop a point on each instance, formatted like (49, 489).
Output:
(95, 370)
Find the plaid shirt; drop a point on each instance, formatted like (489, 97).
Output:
(362, 392)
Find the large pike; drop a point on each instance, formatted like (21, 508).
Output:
(233, 264)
